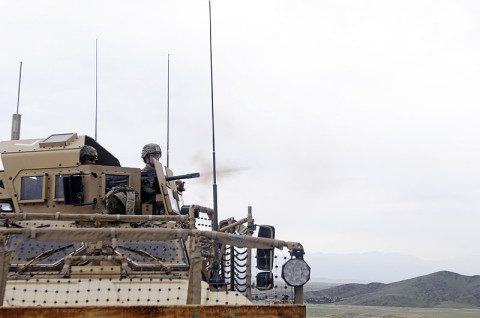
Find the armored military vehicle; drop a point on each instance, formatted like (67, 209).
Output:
(76, 240)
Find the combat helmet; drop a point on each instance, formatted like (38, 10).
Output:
(150, 149)
(88, 151)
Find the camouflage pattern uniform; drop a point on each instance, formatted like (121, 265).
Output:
(150, 186)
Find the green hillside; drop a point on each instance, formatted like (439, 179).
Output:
(441, 289)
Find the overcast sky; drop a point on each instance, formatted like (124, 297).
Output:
(352, 126)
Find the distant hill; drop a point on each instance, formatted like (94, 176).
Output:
(440, 289)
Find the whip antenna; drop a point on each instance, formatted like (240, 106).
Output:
(216, 280)
(96, 88)
(168, 110)
(215, 206)
(17, 118)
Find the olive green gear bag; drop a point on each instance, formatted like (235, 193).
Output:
(122, 199)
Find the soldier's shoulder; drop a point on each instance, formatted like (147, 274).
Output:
(148, 173)
(147, 168)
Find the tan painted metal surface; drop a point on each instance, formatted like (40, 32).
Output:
(264, 311)
(111, 292)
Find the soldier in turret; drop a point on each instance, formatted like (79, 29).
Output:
(149, 152)
(150, 185)
(88, 155)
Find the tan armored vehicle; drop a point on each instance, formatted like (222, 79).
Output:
(76, 240)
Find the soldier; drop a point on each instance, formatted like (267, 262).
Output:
(88, 155)
(150, 185)
(149, 152)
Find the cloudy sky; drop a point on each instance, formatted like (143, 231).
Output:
(352, 126)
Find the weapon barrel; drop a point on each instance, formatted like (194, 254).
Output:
(184, 176)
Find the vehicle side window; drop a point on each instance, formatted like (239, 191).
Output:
(59, 192)
(32, 188)
(113, 180)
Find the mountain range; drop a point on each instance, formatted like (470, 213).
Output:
(440, 289)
